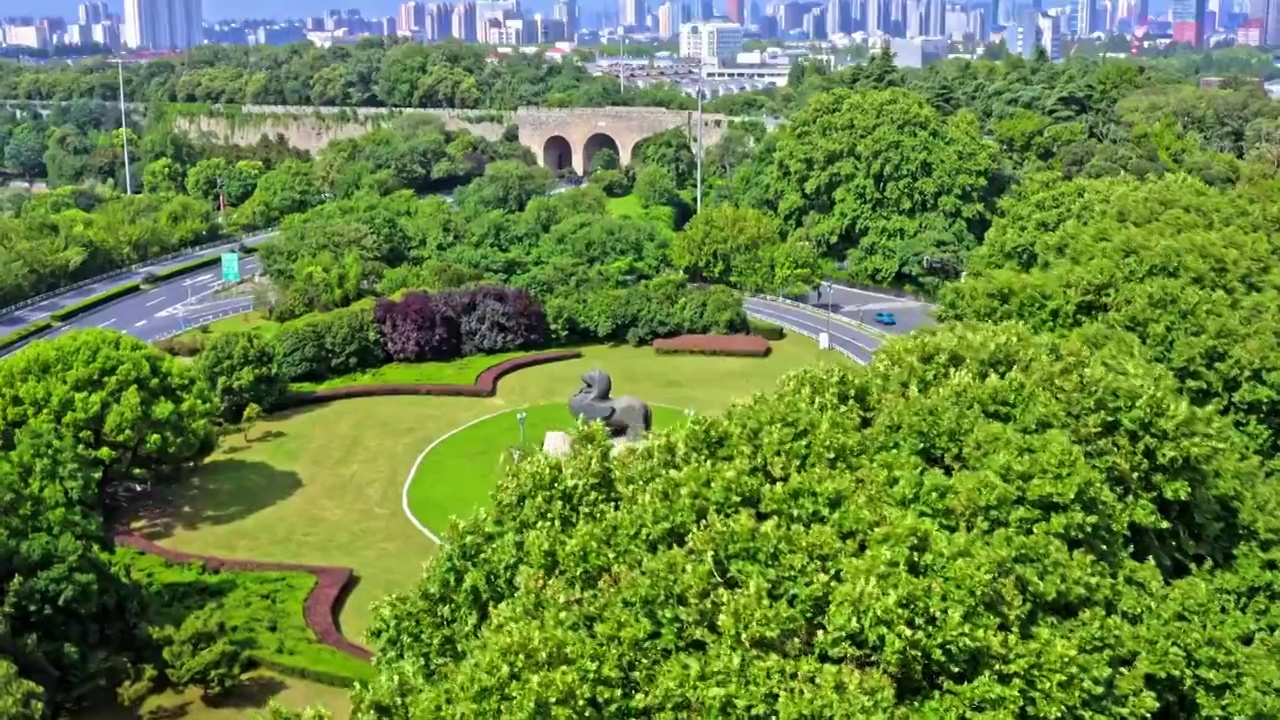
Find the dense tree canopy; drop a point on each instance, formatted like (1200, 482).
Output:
(985, 520)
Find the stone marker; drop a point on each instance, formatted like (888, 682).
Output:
(556, 444)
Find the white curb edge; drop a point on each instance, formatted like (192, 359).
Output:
(404, 492)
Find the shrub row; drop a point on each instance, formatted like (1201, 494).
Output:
(485, 385)
(662, 307)
(96, 301)
(17, 336)
(456, 323)
(313, 347)
(766, 330)
(739, 345)
(322, 602)
(182, 269)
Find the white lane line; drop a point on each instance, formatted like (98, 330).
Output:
(107, 322)
(198, 280)
(153, 302)
(153, 292)
(140, 323)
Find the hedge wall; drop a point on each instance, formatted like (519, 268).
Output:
(96, 301)
(17, 336)
(182, 269)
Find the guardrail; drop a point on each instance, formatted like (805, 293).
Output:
(873, 332)
(136, 267)
(204, 320)
(796, 329)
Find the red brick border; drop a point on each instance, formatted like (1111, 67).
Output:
(321, 604)
(485, 385)
(320, 608)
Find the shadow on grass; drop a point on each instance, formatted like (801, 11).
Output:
(252, 693)
(220, 492)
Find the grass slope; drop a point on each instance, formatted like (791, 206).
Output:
(321, 485)
(462, 371)
(458, 475)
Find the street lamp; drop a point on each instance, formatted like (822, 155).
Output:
(699, 143)
(124, 128)
(520, 418)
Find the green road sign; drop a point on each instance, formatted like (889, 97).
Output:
(230, 267)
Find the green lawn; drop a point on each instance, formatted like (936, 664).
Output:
(458, 475)
(625, 206)
(248, 701)
(462, 371)
(322, 484)
(252, 320)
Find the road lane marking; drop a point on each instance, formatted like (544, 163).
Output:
(153, 292)
(140, 323)
(198, 280)
(107, 322)
(153, 302)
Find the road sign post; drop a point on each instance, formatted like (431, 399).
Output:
(230, 267)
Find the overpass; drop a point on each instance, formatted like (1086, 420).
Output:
(560, 138)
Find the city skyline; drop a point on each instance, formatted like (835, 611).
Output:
(256, 9)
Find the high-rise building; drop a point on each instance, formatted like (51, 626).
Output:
(1271, 23)
(1086, 17)
(631, 13)
(438, 23)
(566, 11)
(935, 19)
(463, 26)
(1188, 21)
(93, 12)
(670, 18)
(163, 24)
(711, 41)
(875, 17)
(839, 18)
(735, 11)
(411, 19)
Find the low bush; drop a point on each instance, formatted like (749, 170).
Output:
(737, 345)
(188, 345)
(257, 600)
(96, 301)
(766, 330)
(477, 321)
(182, 269)
(17, 336)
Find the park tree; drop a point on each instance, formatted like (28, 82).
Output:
(1189, 271)
(64, 614)
(966, 524)
(162, 176)
(744, 248)
(206, 176)
(24, 152)
(655, 187)
(670, 151)
(242, 369)
(506, 186)
(885, 177)
(250, 417)
(19, 699)
(138, 413)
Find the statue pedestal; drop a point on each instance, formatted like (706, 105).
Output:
(556, 444)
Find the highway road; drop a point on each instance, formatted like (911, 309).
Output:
(16, 319)
(845, 335)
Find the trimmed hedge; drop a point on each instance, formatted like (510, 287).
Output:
(282, 665)
(485, 385)
(322, 601)
(182, 269)
(23, 333)
(96, 301)
(766, 330)
(737, 345)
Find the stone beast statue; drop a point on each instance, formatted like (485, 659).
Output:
(626, 416)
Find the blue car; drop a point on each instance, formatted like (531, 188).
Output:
(886, 318)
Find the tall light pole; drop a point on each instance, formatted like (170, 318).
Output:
(124, 129)
(622, 80)
(699, 144)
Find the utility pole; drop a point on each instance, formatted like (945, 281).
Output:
(622, 80)
(124, 129)
(699, 145)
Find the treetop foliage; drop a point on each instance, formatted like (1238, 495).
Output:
(984, 520)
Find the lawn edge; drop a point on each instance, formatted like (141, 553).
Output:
(485, 385)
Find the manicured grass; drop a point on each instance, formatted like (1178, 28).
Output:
(253, 320)
(462, 371)
(322, 484)
(625, 206)
(458, 475)
(246, 702)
